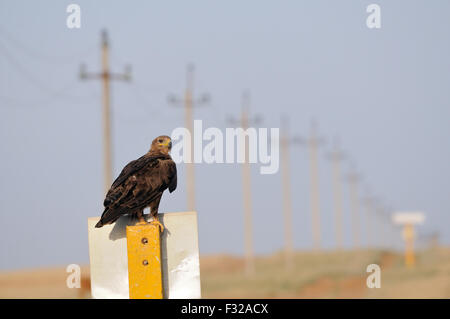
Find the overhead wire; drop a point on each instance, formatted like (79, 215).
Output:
(42, 56)
(38, 83)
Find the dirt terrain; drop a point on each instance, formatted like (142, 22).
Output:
(313, 275)
(329, 275)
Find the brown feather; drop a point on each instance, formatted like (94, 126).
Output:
(141, 184)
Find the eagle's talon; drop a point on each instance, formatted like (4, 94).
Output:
(156, 222)
(141, 221)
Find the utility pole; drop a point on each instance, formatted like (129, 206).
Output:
(368, 202)
(353, 180)
(246, 187)
(106, 76)
(387, 226)
(189, 104)
(336, 156)
(380, 223)
(285, 141)
(313, 142)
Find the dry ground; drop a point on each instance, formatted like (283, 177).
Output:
(329, 275)
(313, 275)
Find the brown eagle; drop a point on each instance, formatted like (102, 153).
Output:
(141, 184)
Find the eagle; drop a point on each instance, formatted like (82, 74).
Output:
(141, 184)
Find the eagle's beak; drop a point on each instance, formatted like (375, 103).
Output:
(167, 143)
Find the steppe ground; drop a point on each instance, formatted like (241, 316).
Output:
(312, 275)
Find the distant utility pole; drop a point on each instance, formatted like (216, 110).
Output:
(380, 223)
(353, 180)
(105, 75)
(387, 239)
(285, 142)
(368, 202)
(246, 187)
(336, 156)
(313, 142)
(189, 104)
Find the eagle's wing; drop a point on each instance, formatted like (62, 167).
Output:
(141, 182)
(129, 169)
(169, 170)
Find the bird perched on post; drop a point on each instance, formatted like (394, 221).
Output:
(141, 184)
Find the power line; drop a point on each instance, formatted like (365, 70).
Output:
(44, 102)
(38, 83)
(30, 77)
(41, 56)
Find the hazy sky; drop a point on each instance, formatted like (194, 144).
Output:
(384, 92)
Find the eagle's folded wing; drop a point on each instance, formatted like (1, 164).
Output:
(139, 183)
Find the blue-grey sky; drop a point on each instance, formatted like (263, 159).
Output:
(384, 92)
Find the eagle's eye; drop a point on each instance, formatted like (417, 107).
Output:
(160, 141)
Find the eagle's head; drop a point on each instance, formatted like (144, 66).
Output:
(162, 145)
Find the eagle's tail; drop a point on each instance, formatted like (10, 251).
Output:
(109, 216)
(99, 224)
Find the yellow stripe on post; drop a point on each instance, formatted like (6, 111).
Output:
(409, 249)
(144, 262)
